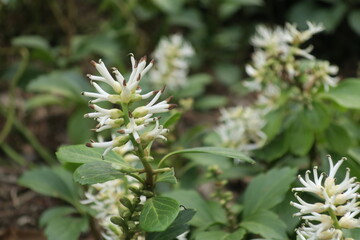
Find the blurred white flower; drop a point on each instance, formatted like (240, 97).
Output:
(240, 128)
(104, 199)
(280, 64)
(172, 62)
(337, 208)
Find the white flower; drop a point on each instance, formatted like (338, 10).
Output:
(133, 123)
(295, 36)
(336, 199)
(240, 128)
(279, 60)
(172, 55)
(104, 199)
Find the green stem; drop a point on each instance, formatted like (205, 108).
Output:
(149, 182)
(13, 154)
(161, 170)
(43, 152)
(136, 177)
(10, 113)
(334, 218)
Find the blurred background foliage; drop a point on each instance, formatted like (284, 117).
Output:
(46, 46)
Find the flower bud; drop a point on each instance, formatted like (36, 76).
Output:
(118, 221)
(140, 112)
(126, 202)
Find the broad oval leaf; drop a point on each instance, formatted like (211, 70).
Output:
(53, 182)
(226, 152)
(167, 177)
(317, 116)
(338, 138)
(207, 212)
(267, 190)
(265, 223)
(158, 213)
(96, 172)
(82, 154)
(178, 227)
(346, 93)
(300, 136)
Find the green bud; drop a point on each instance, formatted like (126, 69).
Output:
(126, 214)
(116, 113)
(121, 140)
(147, 193)
(136, 218)
(135, 97)
(136, 201)
(135, 190)
(131, 224)
(140, 112)
(126, 202)
(118, 221)
(139, 208)
(117, 122)
(115, 99)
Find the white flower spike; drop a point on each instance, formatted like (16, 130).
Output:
(130, 123)
(337, 209)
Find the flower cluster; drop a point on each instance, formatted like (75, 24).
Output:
(279, 61)
(104, 199)
(337, 209)
(131, 126)
(240, 128)
(172, 55)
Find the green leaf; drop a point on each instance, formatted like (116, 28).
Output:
(338, 138)
(211, 101)
(83, 154)
(237, 235)
(227, 73)
(211, 235)
(346, 93)
(330, 16)
(206, 160)
(265, 223)
(226, 152)
(96, 172)
(352, 233)
(54, 182)
(300, 136)
(317, 117)
(42, 100)
(286, 212)
(221, 235)
(229, 7)
(69, 84)
(354, 19)
(66, 227)
(78, 127)
(189, 17)
(170, 7)
(207, 213)
(172, 120)
(195, 87)
(55, 212)
(158, 213)
(272, 187)
(274, 122)
(31, 41)
(178, 227)
(168, 177)
(355, 154)
(275, 149)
